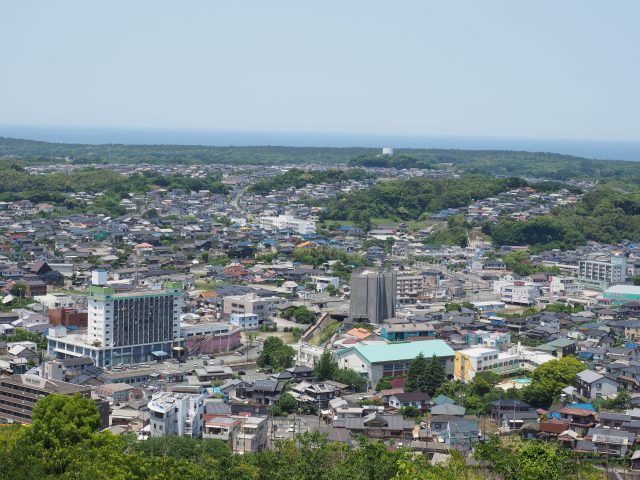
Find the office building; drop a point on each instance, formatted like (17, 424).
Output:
(129, 327)
(176, 414)
(373, 295)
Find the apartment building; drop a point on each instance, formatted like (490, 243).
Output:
(263, 307)
(19, 394)
(602, 273)
(173, 413)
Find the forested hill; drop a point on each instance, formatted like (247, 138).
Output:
(31, 151)
(413, 199)
(504, 162)
(493, 162)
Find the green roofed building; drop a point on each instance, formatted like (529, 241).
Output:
(620, 294)
(377, 360)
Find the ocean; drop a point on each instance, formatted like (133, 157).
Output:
(597, 149)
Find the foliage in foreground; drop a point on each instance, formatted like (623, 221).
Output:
(63, 443)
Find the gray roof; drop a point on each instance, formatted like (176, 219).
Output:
(448, 409)
(589, 376)
(392, 422)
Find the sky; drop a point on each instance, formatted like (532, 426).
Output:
(539, 69)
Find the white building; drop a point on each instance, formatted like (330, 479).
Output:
(245, 321)
(307, 355)
(130, 327)
(176, 414)
(519, 293)
(321, 282)
(264, 307)
(602, 273)
(289, 222)
(243, 433)
(470, 361)
(564, 286)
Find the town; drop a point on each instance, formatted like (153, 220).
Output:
(248, 316)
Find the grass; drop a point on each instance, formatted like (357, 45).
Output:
(326, 333)
(204, 284)
(69, 291)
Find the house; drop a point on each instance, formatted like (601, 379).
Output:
(591, 385)
(614, 443)
(265, 392)
(409, 399)
(580, 419)
(460, 434)
(301, 372)
(316, 393)
(512, 414)
(560, 347)
(243, 433)
(378, 426)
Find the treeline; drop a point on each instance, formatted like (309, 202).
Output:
(35, 152)
(602, 215)
(296, 178)
(498, 162)
(17, 184)
(63, 443)
(392, 161)
(411, 199)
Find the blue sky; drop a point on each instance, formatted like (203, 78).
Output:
(538, 69)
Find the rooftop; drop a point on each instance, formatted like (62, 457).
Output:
(386, 352)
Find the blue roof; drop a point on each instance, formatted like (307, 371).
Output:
(388, 352)
(584, 406)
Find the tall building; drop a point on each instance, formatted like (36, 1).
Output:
(373, 295)
(128, 327)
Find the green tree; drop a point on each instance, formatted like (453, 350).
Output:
(349, 377)
(287, 403)
(276, 354)
(435, 374)
(417, 376)
(331, 290)
(383, 384)
(325, 367)
(18, 290)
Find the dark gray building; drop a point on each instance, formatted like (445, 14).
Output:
(373, 295)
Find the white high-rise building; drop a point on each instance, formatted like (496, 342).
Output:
(129, 327)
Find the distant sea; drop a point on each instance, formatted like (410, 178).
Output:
(605, 150)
